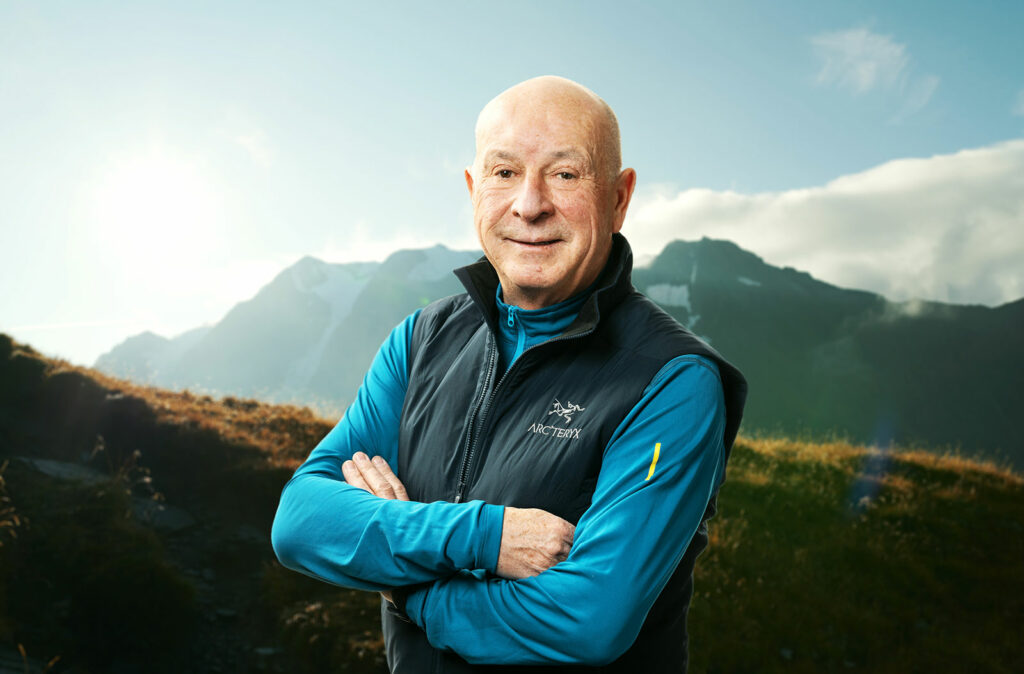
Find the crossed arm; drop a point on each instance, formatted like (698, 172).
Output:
(336, 532)
(553, 584)
(532, 540)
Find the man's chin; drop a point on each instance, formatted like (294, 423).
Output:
(532, 290)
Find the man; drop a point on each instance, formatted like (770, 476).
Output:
(546, 447)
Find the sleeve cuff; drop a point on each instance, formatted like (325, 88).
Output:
(492, 518)
(411, 605)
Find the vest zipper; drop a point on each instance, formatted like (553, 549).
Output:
(471, 435)
(476, 428)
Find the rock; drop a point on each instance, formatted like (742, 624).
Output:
(160, 515)
(251, 535)
(65, 470)
(266, 651)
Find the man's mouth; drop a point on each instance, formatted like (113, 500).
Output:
(535, 244)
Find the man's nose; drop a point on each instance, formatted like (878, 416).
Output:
(532, 203)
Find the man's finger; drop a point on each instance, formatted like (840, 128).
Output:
(378, 484)
(389, 475)
(353, 476)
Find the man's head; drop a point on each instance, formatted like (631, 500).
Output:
(547, 188)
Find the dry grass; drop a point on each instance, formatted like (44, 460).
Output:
(284, 433)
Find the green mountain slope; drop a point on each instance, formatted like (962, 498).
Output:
(823, 360)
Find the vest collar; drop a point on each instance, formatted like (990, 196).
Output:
(613, 283)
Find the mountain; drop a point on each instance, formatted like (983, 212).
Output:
(821, 360)
(306, 337)
(146, 356)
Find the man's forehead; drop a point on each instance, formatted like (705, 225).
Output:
(549, 135)
(554, 154)
(547, 115)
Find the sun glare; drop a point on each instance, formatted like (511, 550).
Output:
(157, 209)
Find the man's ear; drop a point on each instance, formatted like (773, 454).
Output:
(469, 182)
(624, 185)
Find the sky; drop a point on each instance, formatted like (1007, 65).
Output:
(160, 162)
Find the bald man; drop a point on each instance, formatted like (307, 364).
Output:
(527, 469)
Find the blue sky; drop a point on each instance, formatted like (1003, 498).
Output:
(159, 162)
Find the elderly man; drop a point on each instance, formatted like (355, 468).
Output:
(546, 447)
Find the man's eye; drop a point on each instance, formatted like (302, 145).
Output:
(565, 175)
(504, 173)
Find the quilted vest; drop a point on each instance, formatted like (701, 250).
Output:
(469, 431)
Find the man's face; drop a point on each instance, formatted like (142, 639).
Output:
(544, 204)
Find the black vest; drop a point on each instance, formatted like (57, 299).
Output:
(470, 432)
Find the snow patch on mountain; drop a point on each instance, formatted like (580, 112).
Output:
(336, 284)
(671, 295)
(747, 282)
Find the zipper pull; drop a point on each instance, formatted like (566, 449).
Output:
(511, 317)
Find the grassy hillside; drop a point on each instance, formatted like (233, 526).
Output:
(825, 557)
(829, 557)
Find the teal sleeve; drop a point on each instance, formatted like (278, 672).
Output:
(645, 510)
(330, 530)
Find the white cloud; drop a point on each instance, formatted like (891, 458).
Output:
(917, 96)
(1018, 105)
(947, 228)
(861, 61)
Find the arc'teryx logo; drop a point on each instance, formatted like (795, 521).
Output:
(565, 412)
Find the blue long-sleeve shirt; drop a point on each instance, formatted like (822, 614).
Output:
(658, 472)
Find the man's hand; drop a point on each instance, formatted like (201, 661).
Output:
(532, 541)
(375, 476)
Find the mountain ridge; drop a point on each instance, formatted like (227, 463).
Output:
(820, 359)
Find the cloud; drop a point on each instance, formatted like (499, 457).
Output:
(1018, 105)
(945, 228)
(861, 61)
(917, 96)
(858, 59)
